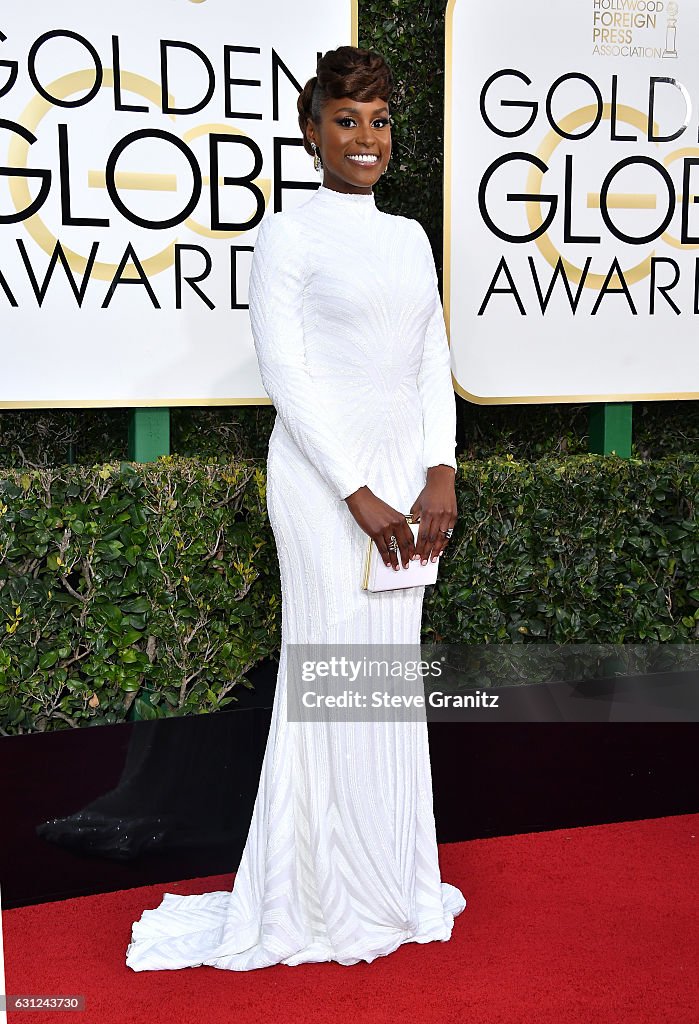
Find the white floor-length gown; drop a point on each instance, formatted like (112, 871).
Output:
(341, 857)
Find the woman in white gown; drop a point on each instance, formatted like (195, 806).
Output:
(341, 857)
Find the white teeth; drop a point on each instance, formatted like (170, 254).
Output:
(368, 159)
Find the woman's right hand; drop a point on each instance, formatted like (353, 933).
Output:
(381, 521)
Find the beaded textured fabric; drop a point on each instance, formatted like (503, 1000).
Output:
(341, 859)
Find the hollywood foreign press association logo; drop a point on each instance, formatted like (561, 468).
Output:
(673, 9)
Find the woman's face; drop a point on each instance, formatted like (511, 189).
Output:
(350, 133)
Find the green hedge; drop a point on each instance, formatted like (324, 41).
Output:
(119, 579)
(591, 549)
(159, 584)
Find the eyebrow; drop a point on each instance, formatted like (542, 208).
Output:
(353, 110)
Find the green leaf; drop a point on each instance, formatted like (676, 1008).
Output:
(48, 660)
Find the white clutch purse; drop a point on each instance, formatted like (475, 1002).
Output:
(379, 576)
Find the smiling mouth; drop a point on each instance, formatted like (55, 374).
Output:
(370, 160)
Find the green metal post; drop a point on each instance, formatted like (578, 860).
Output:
(609, 428)
(149, 437)
(149, 434)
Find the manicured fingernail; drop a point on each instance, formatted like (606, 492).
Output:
(434, 558)
(423, 561)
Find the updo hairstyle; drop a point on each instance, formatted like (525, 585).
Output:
(347, 71)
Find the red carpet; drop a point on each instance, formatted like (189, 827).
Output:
(573, 926)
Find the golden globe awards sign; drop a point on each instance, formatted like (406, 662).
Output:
(140, 144)
(571, 249)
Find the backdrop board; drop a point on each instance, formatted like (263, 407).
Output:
(140, 144)
(571, 245)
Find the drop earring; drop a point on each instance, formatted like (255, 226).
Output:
(317, 165)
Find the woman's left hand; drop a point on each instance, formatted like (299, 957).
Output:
(436, 507)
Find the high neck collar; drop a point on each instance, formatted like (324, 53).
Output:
(363, 202)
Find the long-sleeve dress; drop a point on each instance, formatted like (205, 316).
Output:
(341, 859)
